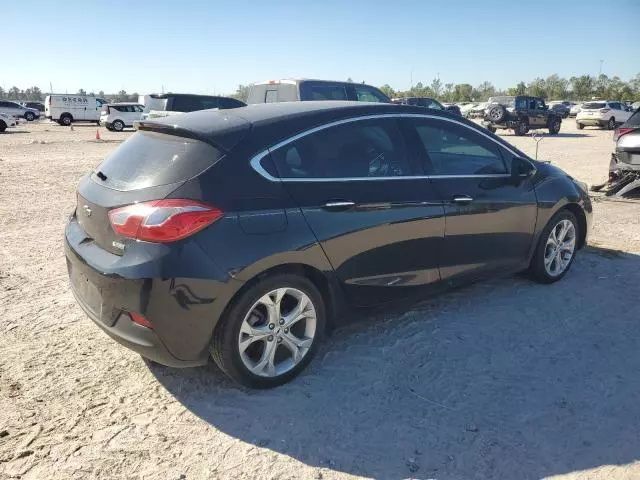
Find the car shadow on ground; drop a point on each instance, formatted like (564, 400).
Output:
(502, 379)
(14, 132)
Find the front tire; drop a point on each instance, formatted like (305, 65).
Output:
(580, 126)
(29, 116)
(554, 127)
(271, 332)
(118, 126)
(66, 120)
(556, 248)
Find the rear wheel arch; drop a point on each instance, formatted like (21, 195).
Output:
(315, 276)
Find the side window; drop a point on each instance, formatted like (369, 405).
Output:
(361, 149)
(615, 105)
(271, 96)
(322, 91)
(521, 103)
(540, 105)
(456, 150)
(366, 94)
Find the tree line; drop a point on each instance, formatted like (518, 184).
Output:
(554, 87)
(34, 94)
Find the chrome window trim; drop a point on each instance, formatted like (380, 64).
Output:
(257, 166)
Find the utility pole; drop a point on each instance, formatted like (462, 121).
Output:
(411, 79)
(600, 72)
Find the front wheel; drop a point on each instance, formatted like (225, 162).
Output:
(29, 116)
(271, 332)
(611, 124)
(118, 126)
(556, 248)
(580, 126)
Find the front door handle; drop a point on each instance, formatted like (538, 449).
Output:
(338, 206)
(462, 199)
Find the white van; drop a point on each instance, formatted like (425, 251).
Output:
(66, 109)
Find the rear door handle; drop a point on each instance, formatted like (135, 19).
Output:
(338, 206)
(462, 199)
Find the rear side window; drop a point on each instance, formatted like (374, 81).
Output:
(455, 150)
(322, 91)
(368, 94)
(634, 120)
(193, 103)
(361, 149)
(150, 159)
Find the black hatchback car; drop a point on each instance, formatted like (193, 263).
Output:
(243, 234)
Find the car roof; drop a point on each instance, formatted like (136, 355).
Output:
(167, 95)
(269, 123)
(124, 103)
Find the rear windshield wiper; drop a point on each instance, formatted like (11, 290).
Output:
(101, 176)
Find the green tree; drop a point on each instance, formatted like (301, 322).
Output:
(556, 87)
(388, 91)
(582, 87)
(447, 96)
(484, 91)
(436, 87)
(241, 93)
(81, 91)
(14, 93)
(33, 94)
(537, 88)
(101, 94)
(462, 93)
(2, 92)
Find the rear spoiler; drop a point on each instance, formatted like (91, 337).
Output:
(175, 130)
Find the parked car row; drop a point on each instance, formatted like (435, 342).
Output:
(17, 110)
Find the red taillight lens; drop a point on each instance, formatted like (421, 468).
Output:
(620, 132)
(162, 221)
(604, 110)
(140, 320)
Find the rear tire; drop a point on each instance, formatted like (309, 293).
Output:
(522, 127)
(580, 126)
(29, 116)
(611, 124)
(541, 270)
(3, 126)
(554, 126)
(249, 306)
(66, 120)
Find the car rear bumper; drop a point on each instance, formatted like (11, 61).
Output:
(591, 121)
(183, 311)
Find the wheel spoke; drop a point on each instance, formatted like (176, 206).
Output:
(266, 363)
(297, 346)
(298, 313)
(249, 335)
(272, 301)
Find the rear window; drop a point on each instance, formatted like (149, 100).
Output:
(323, 91)
(634, 119)
(594, 105)
(149, 159)
(192, 104)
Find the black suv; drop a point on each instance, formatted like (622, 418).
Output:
(520, 114)
(296, 90)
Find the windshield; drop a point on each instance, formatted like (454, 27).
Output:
(594, 105)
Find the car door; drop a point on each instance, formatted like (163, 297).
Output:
(380, 223)
(490, 218)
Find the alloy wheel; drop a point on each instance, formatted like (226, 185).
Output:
(560, 247)
(277, 332)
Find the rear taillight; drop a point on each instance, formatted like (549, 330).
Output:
(604, 110)
(620, 132)
(140, 320)
(162, 221)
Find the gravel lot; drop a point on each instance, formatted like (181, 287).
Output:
(503, 380)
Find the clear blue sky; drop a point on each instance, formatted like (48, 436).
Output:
(212, 46)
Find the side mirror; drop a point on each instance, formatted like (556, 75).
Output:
(521, 168)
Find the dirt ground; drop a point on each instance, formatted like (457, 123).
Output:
(501, 380)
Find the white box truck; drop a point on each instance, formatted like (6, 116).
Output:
(66, 109)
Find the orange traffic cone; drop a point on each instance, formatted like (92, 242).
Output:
(98, 134)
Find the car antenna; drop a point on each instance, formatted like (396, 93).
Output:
(537, 137)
